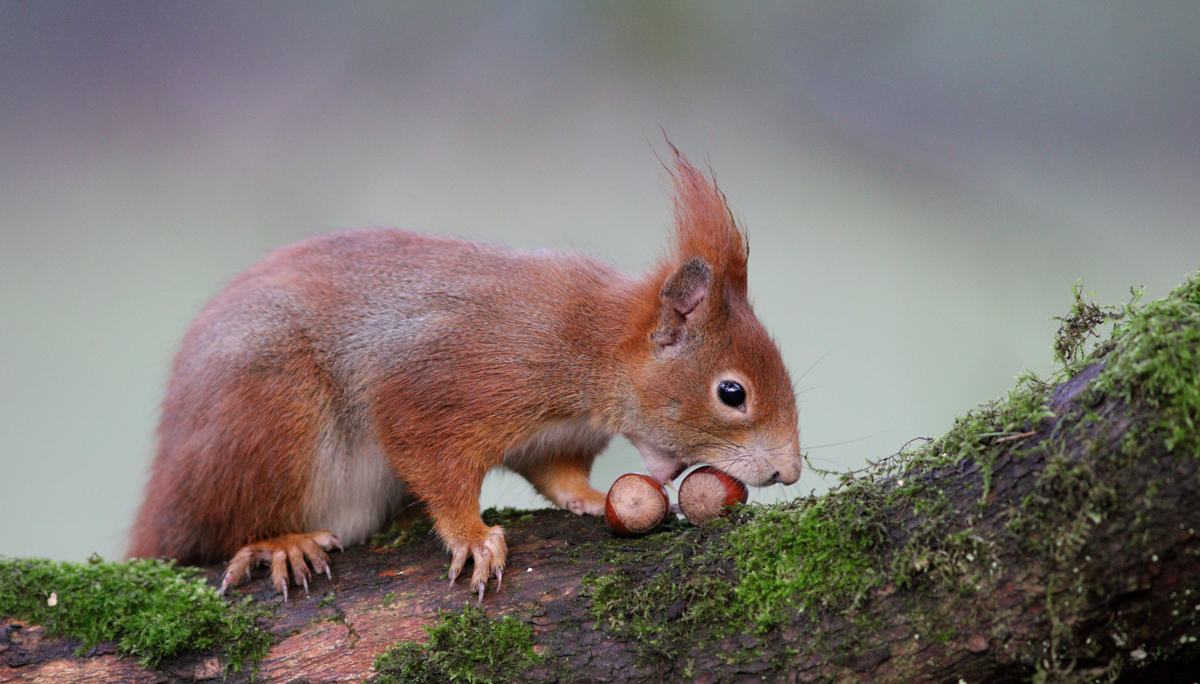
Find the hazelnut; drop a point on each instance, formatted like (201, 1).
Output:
(707, 493)
(636, 504)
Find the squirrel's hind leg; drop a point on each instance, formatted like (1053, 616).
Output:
(566, 482)
(447, 478)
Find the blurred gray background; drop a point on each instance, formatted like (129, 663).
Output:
(922, 183)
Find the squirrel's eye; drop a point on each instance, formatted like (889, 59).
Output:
(731, 393)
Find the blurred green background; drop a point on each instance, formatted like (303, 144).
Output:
(922, 183)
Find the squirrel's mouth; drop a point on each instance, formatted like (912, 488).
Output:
(759, 468)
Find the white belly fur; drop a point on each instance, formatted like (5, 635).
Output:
(353, 490)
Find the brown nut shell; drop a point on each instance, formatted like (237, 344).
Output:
(635, 505)
(707, 494)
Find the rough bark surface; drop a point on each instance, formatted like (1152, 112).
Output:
(1128, 611)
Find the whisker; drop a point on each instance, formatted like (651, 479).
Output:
(662, 393)
(849, 441)
(825, 460)
(705, 431)
(814, 365)
(796, 393)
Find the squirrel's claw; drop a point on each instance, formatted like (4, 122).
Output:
(457, 562)
(279, 575)
(238, 570)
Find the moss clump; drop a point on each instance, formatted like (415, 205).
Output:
(506, 516)
(1156, 360)
(466, 646)
(1080, 325)
(400, 534)
(981, 435)
(817, 551)
(151, 609)
(683, 605)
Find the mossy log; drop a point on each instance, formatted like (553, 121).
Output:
(1053, 536)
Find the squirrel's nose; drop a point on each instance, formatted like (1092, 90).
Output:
(786, 478)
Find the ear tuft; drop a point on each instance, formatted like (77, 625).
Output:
(705, 227)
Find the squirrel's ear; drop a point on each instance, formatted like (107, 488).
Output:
(682, 292)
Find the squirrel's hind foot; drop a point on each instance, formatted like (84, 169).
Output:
(301, 550)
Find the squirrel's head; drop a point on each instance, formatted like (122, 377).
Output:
(709, 382)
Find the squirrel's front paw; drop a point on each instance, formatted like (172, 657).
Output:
(300, 549)
(488, 551)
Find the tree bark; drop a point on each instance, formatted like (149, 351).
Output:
(1099, 582)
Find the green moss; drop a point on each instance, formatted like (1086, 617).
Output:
(505, 516)
(401, 534)
(150, 609)
(1152, 363)
(1081, 325)
(817, 551)
(985, 432)
(760, 568)
(1156, 361)
(466, 646)
(669, 612)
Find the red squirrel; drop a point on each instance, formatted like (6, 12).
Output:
(352, 374)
